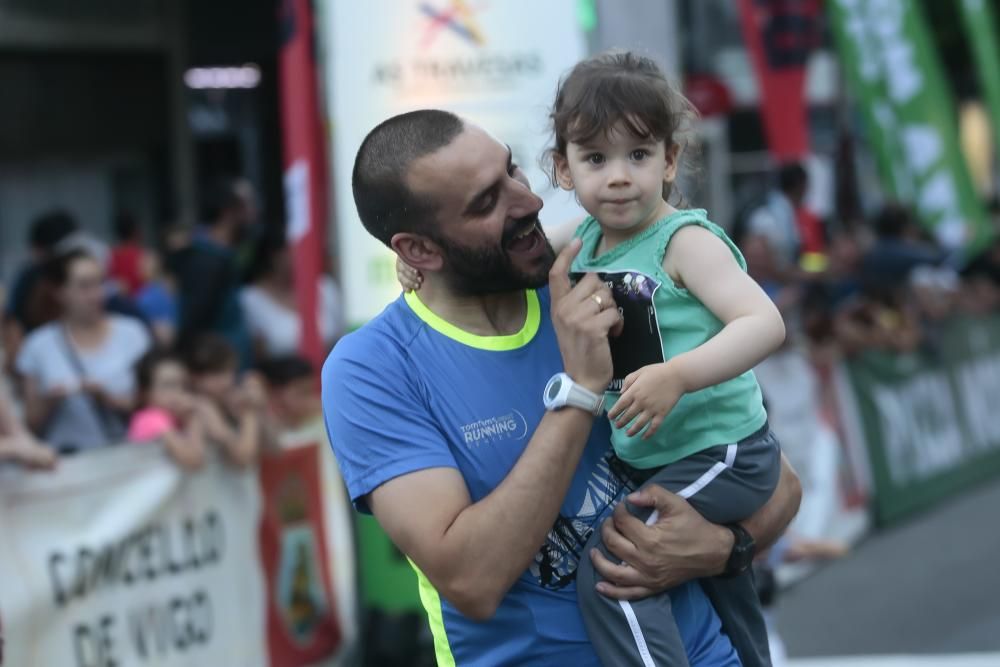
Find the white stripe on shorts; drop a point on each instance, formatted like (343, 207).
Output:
(640, 641)
(703, 481)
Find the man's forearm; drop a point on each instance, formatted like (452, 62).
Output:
(770, 521)
(499, 536)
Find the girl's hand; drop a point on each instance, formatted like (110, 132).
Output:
(409, 278)
(253, 392)
(648, 395)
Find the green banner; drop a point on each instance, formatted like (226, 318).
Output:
(889, 60)
(931, 420)
(388, 583)
(981, 27)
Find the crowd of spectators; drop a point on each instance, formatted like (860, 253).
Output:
(844, 290)
(190, 341)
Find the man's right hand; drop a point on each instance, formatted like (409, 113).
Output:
(584, 315)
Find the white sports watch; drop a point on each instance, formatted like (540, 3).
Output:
(561, 391)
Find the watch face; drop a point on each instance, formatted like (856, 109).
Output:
(554, 388)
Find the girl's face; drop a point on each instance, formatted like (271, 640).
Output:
(169, 390)
(217, 385)
(619, 178)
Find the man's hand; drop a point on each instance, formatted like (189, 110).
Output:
(583, 316)
(681, 545)
(648, 395)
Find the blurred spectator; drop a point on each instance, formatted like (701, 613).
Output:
(208, 272)
(78, 370)
(157, 300)
(28, 306)
(126, 262)
(269, 303)
(776, 219)
(881, 317)
(168, 410)
(897, 249)
(17, 444)
(233, 413)
(292, 394)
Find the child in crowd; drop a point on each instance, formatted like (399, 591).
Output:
(292, 392)
(685, 407)
(168, 409)
(234, 412)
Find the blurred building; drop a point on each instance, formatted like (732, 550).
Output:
(133, 105)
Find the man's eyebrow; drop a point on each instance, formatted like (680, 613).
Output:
(471, 207)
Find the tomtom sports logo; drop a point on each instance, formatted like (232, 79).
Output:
(511, 426)
(457, 18)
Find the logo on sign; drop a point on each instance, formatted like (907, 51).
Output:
(457, 18)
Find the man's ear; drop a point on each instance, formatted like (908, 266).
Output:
(418, 251)
(673, 161)
(563, 175)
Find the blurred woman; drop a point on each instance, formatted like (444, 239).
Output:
(77, 371)
(270, 308)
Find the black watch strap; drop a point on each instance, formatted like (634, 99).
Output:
(741, 557)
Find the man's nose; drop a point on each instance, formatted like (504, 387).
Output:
(525, 202)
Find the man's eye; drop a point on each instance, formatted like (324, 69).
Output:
(640, 154)
(512, 169)
(595, 158)
(488, 204)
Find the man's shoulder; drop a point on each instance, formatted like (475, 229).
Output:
(382, 339)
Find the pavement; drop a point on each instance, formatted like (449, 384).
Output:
(923, 593)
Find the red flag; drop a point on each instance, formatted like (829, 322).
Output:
(302, 623)
(305, 172)
(780, 34)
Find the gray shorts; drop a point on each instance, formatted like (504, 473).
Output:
(725, 484)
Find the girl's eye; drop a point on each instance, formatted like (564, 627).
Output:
(595, 158)
(640, 154)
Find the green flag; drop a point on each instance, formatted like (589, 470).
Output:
(890, 62)
(980, 24)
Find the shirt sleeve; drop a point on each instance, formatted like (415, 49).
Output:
(377, 416)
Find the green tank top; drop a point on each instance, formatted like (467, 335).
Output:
(663, 320)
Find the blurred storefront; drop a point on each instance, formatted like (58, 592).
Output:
(133, 105)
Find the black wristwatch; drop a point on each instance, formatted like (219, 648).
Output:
(741, 557)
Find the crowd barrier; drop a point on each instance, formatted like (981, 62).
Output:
(118, 558)
(928, 421)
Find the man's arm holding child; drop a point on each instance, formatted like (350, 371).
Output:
(682, 545)
(474, 552)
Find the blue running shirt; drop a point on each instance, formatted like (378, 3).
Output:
(409, 391)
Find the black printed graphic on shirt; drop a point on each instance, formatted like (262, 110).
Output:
(640, 343)
(556, 563)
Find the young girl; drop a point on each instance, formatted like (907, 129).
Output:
(234, 412)
(685, 408)
(168, 409)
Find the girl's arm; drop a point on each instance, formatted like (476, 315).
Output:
(702, 263)
(187, 447)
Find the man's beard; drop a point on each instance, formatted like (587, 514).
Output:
(477, 271)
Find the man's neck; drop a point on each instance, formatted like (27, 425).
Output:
(499, 314)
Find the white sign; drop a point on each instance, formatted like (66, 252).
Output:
(496, 63)
(119, 559)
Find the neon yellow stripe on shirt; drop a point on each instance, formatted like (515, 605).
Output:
(432, 605)
(489, 343)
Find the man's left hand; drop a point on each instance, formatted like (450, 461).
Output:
(680, 546)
